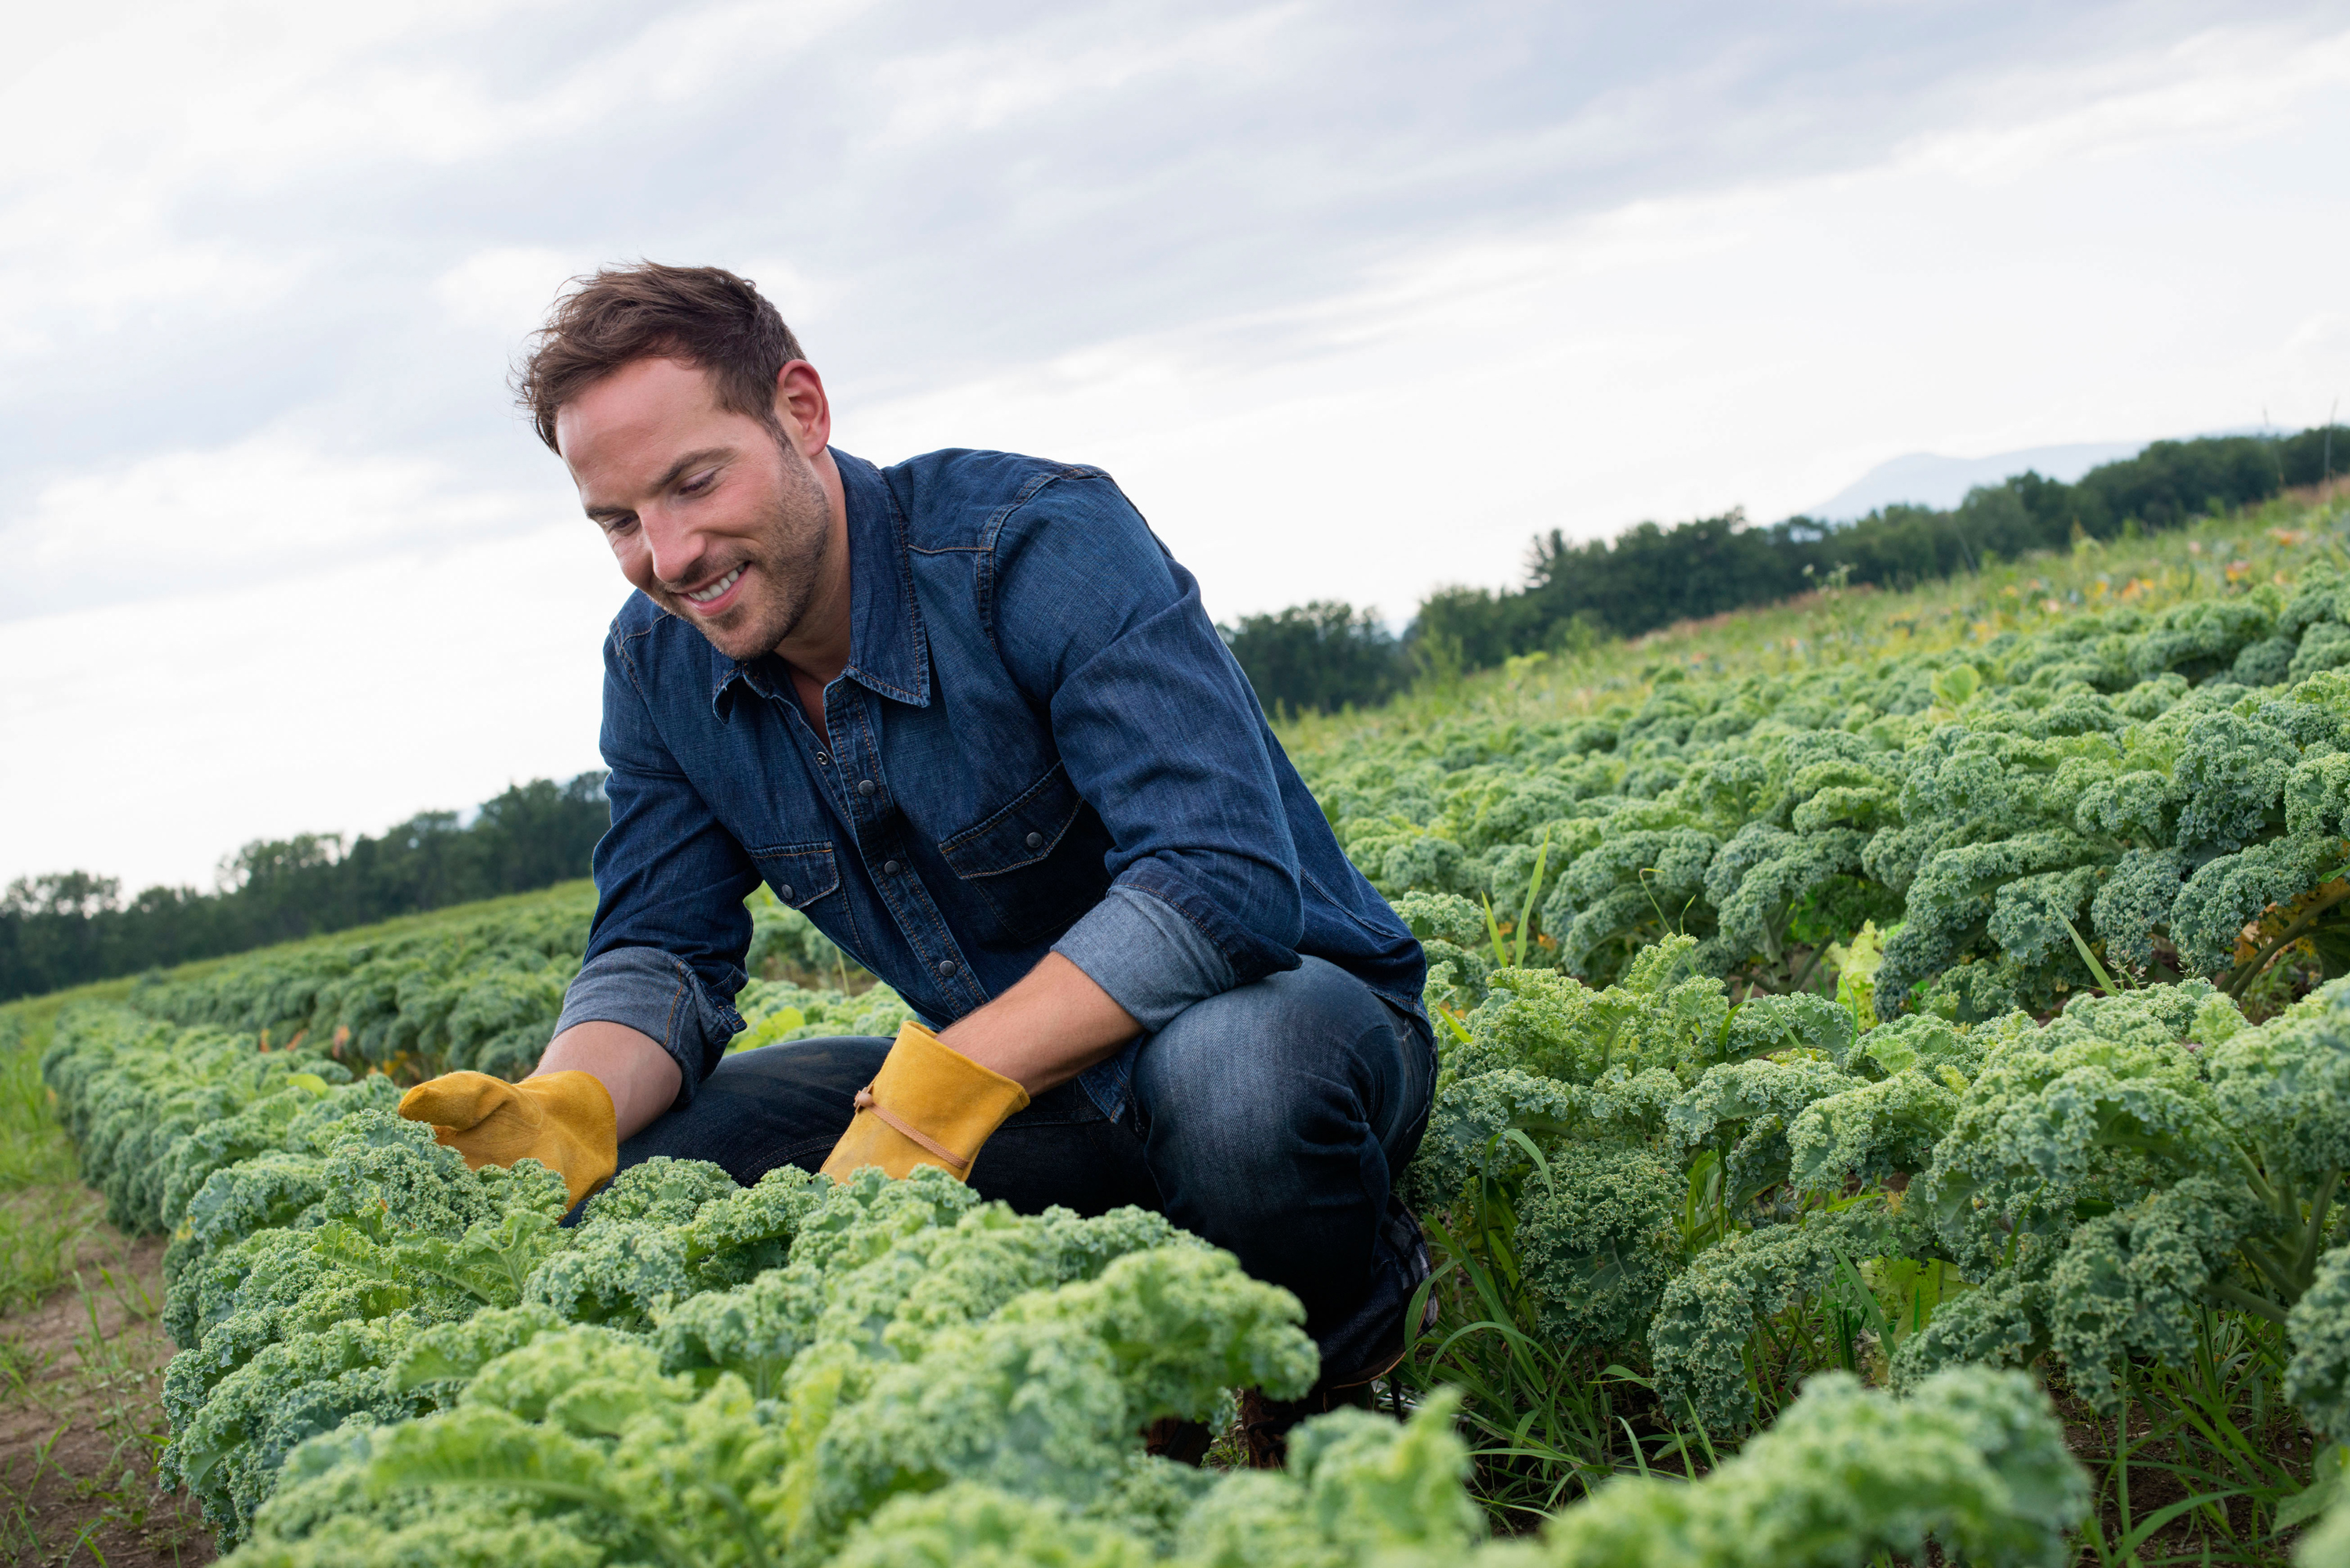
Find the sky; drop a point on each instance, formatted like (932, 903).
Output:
(1353, 298)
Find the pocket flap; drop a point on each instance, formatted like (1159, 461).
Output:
(800, 874)
(1021, 833)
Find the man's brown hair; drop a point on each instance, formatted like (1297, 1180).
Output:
(703, 315)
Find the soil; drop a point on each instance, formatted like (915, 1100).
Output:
(81, 1422)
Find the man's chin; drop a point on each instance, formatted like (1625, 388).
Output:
(736, 634)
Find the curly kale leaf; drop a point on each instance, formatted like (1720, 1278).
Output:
(2140, 807)
(1551, 1025)
(2033, 919)
(265, 1126)
(1041, 1396)
(1802, 1022)
(2047, 1120)
(2202, 637)
(755, 1330)
(2226, 894)
(2232, 773)
(1872, 1132)
(2004, 1323)
(1442, 916)
(2285, 1087)
(1708, 1313)
(227, 1453)
(1951, 902)
(1921, 1040)
(288, 1329)
(1357, 1489)
(1468, 1127)
(2317, 1378)
(1598, 1240)
(968, 1525)
(2133, 1282)
(1758, 1099)
(2134, 901)
(131, 1090)
(1971, 1460)
(1631, 884)
(453, 1352)
(667, 1228)
(1760, 875)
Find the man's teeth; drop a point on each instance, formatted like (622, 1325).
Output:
(716, 588)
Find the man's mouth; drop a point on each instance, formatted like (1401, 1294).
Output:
(705, 598)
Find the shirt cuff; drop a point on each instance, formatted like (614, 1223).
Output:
(654, 993)
(1150, 960)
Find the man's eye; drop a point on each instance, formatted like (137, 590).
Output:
(698, 483)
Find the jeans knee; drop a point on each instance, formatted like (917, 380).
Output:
(1283, 1095)
(1311, 1053)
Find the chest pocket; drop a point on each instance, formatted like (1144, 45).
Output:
(1034, 865)
(799, 873)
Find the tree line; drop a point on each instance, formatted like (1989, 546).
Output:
(1327, 655)
(69, 927)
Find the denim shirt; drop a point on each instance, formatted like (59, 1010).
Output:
(1040, 745)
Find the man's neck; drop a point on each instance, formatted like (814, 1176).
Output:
(819, 648)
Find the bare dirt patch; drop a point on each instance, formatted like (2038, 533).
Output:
(81, 1423)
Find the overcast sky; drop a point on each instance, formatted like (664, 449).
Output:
(1352, 297)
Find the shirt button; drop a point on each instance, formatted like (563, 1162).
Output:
(785, 891)
(867, 788)
(824, 759)
(946, 969)
(1035, 841)
(888, 868)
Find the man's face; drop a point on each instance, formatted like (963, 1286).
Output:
(712, 515)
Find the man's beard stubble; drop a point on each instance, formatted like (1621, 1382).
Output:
(794, 546)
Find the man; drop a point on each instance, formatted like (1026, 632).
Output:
(969, 717)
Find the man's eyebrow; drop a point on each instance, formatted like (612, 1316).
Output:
(669, 476)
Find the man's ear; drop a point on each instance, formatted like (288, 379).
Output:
(802, 408)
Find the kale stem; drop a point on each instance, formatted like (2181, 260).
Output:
(1796, 984)
(2251, 970)
(2121, 1465)
(2274, 1271)
(2319, 1202)
(2245, 1301)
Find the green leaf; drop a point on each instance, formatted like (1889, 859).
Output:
(1526, 915)
(2319, 1496)
(2096, 969)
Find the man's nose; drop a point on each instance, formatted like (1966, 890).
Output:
(674, 547)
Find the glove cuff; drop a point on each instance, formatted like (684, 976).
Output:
(940, 1099)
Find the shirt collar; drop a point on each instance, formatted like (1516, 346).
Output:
(888, 651)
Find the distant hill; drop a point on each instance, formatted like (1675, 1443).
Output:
(1930, 479)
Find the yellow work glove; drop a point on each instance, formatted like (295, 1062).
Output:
(929, 1105)
(563, 1120)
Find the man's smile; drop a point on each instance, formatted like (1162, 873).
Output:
(717, 593)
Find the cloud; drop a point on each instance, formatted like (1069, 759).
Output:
(1759, 346)
(266, 509)
(504, 291)
(2220, 83)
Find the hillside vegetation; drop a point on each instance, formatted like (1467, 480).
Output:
(70, 928)
(1324, 656)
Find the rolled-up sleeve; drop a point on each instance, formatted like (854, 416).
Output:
(1151, 960)
(654, 993)
(665, 954)
(1162, 736)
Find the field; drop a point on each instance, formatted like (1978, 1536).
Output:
(1895, 1101)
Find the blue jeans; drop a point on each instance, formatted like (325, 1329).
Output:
(1270, 1120)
